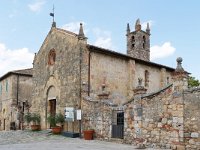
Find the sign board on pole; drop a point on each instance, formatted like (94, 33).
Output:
(69, 114)
(78, 114)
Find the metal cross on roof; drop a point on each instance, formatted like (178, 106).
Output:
(52, 13)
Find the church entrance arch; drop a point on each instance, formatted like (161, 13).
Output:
(51, 101)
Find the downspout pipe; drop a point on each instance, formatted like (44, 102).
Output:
(17, 90)
(89, 73)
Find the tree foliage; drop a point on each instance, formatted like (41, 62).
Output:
(192, 82)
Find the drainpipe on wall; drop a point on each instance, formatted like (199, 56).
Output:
(17, 89)
(80, 67)
(89, 73)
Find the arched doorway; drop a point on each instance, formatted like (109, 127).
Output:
(51, 101)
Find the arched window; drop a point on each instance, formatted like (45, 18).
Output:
(6, 85)
(144, 41)
(133, 41)
(0, 88)
(52, 57)
(146, 78)
(167, 80)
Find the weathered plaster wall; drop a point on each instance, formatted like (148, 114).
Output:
(113, 73)
(9, 97)
(157, 77)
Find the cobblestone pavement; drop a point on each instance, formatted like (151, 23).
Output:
(43, 140)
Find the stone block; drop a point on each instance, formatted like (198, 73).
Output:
(175, 119)
(187, 135)
(164, 120)
(160, 125)
(180, 147)
(194, 135)
(191, 141)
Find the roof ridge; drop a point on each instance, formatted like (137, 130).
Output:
(66, 31)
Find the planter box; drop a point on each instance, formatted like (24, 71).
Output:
(88, 134)
(35, 127)
(56, 130)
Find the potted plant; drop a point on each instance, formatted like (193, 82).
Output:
(54, 120)
(35, 119)
(88, 134)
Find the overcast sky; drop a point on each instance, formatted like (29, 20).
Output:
(174, 28)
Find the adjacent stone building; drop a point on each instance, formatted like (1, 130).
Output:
(15, 96)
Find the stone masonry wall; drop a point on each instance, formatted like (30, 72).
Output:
(192, 118)
(97, 115)
(149, 120)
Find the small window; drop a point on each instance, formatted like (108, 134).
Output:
(133, 45)
(0, 88)
(133, 39)
(6, 85)
(144, 41)
(52, 57)
(146, 77)
(167, 80)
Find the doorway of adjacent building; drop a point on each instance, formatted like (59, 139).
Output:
(52, 107)
(118, 124)
(4, 124)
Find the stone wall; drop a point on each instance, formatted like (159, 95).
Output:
(97, 115)
(192, 118)
(149, 120)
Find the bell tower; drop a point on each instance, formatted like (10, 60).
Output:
(138, 42)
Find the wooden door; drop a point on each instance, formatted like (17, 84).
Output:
(52, 106)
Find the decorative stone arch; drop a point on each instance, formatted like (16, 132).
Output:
(51, 92)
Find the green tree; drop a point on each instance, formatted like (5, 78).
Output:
(192, 82)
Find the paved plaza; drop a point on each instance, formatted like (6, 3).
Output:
(27, 140)
(43, 140)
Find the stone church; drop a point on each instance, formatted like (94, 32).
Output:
(122, 96)
(67, 68)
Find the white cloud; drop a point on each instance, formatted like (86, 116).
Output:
(103, 38)
(144, 24)
(74, 27)
(162, 51)
(37, 6)
(14, 59)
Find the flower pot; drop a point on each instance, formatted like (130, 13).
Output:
(56, 130)
(88, 134)
(35, 127)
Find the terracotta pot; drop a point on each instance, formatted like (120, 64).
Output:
(35, 127)
(56, 130)
(88, 134)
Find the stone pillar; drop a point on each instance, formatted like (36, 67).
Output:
(131, 69)
(138, 112)
(180, 83)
